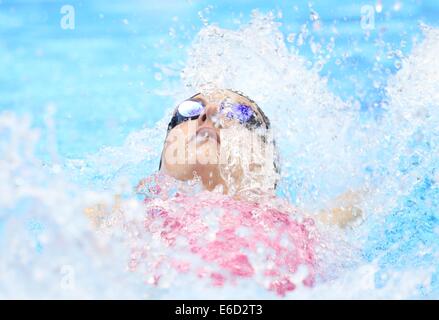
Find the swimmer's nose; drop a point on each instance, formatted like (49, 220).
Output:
(205, 118)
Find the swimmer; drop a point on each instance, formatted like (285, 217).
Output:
(203, 120)
(220, 137)
(223, 139)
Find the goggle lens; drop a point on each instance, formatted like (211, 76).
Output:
(190, 108)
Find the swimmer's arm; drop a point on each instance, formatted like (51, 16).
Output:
(342, 216)
(100, 211)
(344, 210)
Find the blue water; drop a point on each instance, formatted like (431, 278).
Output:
(115, 73)
(100, 76)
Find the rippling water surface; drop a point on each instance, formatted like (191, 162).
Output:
(83, 114)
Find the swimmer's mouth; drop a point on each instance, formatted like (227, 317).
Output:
(205, 133)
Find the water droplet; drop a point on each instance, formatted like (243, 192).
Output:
(172, 32)
(379, 7)
(290, 37)
(313, 15)
(376, 84)
(300, 40)
(390, 54)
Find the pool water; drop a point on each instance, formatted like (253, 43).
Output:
(83, 114)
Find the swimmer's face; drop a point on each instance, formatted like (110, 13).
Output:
(199, 130)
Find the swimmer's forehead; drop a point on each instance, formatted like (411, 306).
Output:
(221, 95)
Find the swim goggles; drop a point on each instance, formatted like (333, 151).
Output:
(192, 108)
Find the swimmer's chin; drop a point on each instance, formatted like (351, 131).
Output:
(208, 174)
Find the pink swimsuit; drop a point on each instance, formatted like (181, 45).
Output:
(235, 239)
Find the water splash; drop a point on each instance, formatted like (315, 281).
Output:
(256, 61)
(326, 146)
